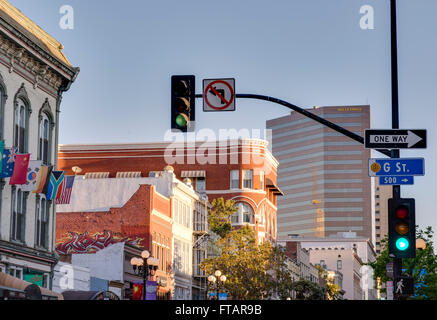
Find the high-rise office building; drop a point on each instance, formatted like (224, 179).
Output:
(322, 173)
(381, 194)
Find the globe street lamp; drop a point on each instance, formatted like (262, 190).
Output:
(218, 279)
(144, 266)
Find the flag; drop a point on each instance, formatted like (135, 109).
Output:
(43, 179)
(137, 291)
(20, 169)
(8, 162)
(2, 148)
(55, 181)
(32, 175)
(64, 192)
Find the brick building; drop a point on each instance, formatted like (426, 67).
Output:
(154, 213)
(242, 170)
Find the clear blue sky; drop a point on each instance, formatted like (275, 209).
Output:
(308, 52)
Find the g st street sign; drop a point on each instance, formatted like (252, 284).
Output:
(395, 139)
(396, 180)
(396, 167)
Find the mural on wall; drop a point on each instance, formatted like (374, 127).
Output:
(74, 242)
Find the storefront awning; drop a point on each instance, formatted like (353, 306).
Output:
(9, 281)
(272, 186)
(193, 174)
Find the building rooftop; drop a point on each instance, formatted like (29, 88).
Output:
(32, 31)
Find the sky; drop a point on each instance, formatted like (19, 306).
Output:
(307, 52)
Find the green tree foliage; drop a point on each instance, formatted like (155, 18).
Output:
(219, 216)
(423, 268)
(332, 289)
(307, 290)
(253, 271)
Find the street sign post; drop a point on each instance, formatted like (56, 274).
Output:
(395, 139)
(396, 180)
(389, 286)
(389, 270)
(396, 167)
(219, 95)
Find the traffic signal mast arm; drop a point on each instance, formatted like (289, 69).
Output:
(308, 114)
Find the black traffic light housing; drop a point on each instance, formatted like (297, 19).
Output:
(401, 228)
(183, 97)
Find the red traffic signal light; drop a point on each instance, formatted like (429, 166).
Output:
(401, 212)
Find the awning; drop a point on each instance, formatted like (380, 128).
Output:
(193, 174)
(96, 175)
(275, 189)
(9, 281)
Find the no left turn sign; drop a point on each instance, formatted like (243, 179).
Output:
(219, 94)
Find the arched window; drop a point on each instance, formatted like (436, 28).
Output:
(44, 139)
(243, 215)
(18, 214)
(42, 222)
(20, 126)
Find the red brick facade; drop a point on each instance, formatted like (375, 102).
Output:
(217, 163)
(142, 216)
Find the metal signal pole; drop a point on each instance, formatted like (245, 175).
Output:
(397, 262)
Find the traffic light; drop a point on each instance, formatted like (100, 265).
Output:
(183, 103)
(401, 228)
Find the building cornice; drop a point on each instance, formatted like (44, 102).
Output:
(67, 70)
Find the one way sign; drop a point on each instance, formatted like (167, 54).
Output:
(395, 139)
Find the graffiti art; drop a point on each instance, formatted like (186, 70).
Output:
(84, 243)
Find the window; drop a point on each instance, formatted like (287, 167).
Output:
(18, 212)
(244, 214)
(46, 280)
(200, 184)
(42, 214)
(339, 264)
(247, 179)
(20, 127)
(261, 180)
(235, 218)
(16, 272)
(44, 138)
(235, 179)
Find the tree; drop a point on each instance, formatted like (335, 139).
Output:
(253, 271)
(307, 290)
(219, 216)
(423, 268)
(332, 289)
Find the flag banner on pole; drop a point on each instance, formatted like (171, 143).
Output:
(2, 148)
(55, 181)
(32, 175)
(8, 162)
(64, 193)
(43, 179)
(20, 169)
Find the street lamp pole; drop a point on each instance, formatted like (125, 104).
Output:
(145, 266)
(218, 279)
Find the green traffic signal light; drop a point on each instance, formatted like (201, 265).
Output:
(402, 244)
(181, 120)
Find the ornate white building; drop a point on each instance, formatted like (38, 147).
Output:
(34, 73)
